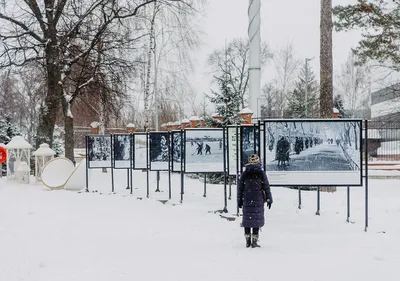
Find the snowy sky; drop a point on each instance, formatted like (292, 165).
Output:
(281, 22)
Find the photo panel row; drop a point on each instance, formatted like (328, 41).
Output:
(313, 152)
(295, 152)
(120, 151)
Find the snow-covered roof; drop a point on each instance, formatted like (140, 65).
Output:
(185, 121)
(44, 150)
(94, 124)
(177, 123)
(215, 115)
(18, 142)
(194, 118)
(246, 110)
(335, 110)
(131, 125)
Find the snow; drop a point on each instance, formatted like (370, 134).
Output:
(56, 172)
(18, 142)
(44, 150)
(77, 177)
(389, 148)
(94, 124)
(194, 118)
(246, 110)
(98, 236)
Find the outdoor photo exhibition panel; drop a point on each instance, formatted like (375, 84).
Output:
(139, 151)
(233, 149)
(159, 151)
(99, 151)
(122, 151)
(313, 152)
(249, 142)
(204, 150)
(176, 138)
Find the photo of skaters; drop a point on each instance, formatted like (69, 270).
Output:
(204, 150)
(99, 151)
(313, 146)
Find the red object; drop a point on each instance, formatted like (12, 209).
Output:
(3, 154)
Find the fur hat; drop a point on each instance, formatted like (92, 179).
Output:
(254, 159)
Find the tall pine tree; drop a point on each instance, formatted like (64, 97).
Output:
(7, 129)
(227, 102)
(58, 142)
(302, 103)
(338, 104)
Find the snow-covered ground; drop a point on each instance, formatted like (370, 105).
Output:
(65, 236)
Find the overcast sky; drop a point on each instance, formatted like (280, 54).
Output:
(282, 21)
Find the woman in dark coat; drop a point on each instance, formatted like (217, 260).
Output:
(253, 192)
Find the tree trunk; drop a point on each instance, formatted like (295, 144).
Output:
(48, 113)
(69, 130)
(326, 65)
(149, 55)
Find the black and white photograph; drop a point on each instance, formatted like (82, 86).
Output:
(99, 151)
(314, 152)
(159, 151)
(233, 149)
(176, 138)
(250, 143)
(122, 151)
(139, 151)
(204, 150)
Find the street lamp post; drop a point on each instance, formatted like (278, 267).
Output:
(259, 106)
(306, 88)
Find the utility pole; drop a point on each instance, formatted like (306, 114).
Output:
(155, 82)
(306, 88)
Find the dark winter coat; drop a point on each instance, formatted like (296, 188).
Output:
(251, 197)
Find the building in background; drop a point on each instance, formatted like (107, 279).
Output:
(385, 121)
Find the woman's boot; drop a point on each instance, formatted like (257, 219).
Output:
(248, 240)
(254, 241)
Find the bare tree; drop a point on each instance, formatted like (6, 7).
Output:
(271, 107)
(60, 35)
(354, 84)
(232, 61)
(286, 65)
(326, 64)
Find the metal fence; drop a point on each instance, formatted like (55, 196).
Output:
(384, 140)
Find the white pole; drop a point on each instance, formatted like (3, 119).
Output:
(155, 87)
(306, 90)
(254, 55)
